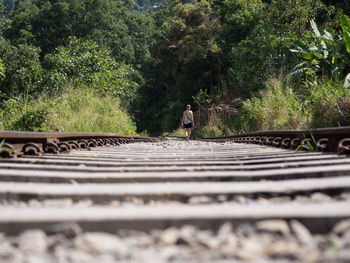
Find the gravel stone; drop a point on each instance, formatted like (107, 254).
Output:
(240, 199)
(301, 233)
(320, 197)
(188, 236)
(69, 230)
(274, 226)
(64, 202)
(9, 253)
(84, 203)
(32, 240)
(264, 241)
(37, 258)
(34, 203)
(249, 249)
(170, 236)
(99, 242)
(342, 227)
(345, 196)
(200, 200)
(80, 256)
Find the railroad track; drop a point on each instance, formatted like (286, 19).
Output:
(106, 198)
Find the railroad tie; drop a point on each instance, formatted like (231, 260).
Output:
(173, 186)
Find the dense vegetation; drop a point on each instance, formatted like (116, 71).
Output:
(282, 63)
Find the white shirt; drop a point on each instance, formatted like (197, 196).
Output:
(188, 117)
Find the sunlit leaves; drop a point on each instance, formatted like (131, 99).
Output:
(345, 24)
(85, 62)
(347, 81)
(22, 69)
(48, 24)
(321, 54)
(2, 69)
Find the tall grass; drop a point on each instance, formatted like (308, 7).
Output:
(317, 104)
(322, 103)
(74, 110)
(329, 102)
(276, 108)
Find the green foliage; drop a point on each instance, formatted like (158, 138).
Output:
(143, 35)
(345, 24)
(198, 52)
(307, 147)
(179, 132)
(3, 18)
(2, 70)
(347, 81)
(85, 110)
(255, 36)
(113, 23)
(75, 110)
(187, 59)
(329, 102)
(23, 114)
(238, 18)
(8, 5)
(86, 63)
(325, 104)
(4, 148)
(291, 18)
(277, 108)
(209, 130)
(248, 67)
(321, 53)
(23, 71)
(150, 5)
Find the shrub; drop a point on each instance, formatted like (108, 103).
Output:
(179, 132)
(75, 110)
(209, 130)
(86, 63)
(277, 108)
(21, 71)
(329, 102)
(23, 114)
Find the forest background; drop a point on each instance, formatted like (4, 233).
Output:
(128, 66)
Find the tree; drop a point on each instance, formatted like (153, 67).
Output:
(291, 18)
(321, 54)
(187, 59)
(3, 20)
(256, 37)
(143, 33)
(87, 64)
(150, 5)
(9, 5)
(23, 71)
(238, 19)
(48, 24)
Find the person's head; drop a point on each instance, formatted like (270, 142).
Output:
(188, 107)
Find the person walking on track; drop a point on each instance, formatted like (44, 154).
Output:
(187, 121)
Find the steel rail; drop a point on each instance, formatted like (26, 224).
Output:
(324, 139)
(17, 143)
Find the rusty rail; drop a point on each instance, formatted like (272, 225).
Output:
(17, 143)
(325, 139)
